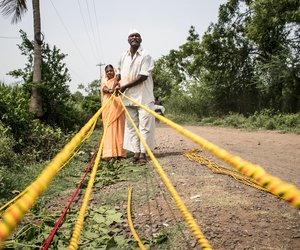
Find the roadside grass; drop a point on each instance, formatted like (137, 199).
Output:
(265, 119)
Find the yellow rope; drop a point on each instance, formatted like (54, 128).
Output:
(286, 191)
(74, 154)
(183, 209)
(14, 214)
(193, 155)
(80, 219)
(134, 233)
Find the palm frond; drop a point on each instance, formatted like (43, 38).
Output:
(17, 8)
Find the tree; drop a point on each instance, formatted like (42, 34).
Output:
(18, 9)
(91, 102)
(252, 56)
(274, 27)
(247, 61)
(228, 62)
(56, 95)
(162, 78)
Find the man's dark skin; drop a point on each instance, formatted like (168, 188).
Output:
(134, 41)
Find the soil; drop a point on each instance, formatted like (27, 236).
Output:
(230, 214)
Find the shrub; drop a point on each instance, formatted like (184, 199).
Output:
(235, 120)
(14, 111)
(8, 157)
(44, 142)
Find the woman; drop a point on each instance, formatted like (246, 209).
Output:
(113, 115)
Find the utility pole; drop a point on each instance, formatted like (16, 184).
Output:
(100, 66)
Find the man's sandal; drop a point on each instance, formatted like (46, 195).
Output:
(143, 161)
(136, 157)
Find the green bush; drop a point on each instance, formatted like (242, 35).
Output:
(91, 104)
(265, 119)
(234, 120)
(7, 143)
(8, 158)
(14, 111)
(270, 124)
(44, 142)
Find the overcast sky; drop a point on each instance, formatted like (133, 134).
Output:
(91, 32)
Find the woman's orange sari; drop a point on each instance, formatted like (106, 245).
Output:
(113, 141)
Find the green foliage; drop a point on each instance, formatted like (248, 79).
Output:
(44, 142)
(273, 120)
(14, 110)
(265, 119)
(101, 231)
(7, 143)
(93, 88)
(8, 158)
(247, 61)
(110, 173)
(193, 102)
(162, 79)
(232, 120)
(91, 104)
(58, 105)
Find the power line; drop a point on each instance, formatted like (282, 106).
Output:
(98, 31)
(91, 23)
(6, 37)
(11, 37)
(86, 30)
(78, 50)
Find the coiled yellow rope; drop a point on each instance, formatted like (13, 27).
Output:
(201, 240)
(286, 191)
(73, 245)
(134, 233)
(194, 155)
(14, 214)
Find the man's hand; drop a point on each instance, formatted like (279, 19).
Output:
(116, 84)
(120, 89)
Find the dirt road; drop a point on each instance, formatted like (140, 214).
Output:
(231, 214)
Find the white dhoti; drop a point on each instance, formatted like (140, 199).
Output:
(145, 123)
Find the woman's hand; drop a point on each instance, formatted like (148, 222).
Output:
(116, 84)
(107, 90)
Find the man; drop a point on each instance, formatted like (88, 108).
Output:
(134, 71)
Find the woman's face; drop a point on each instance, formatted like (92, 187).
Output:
(110, 73)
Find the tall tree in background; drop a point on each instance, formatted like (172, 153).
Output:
(56, 94)
(249, 60)
(18, 8)
(256, 44)
(229, 62)
(274, 27)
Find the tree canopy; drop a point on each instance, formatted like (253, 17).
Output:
(245, 62)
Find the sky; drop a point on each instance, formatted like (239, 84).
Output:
(94, 32)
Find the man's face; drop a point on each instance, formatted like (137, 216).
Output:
(134, 40)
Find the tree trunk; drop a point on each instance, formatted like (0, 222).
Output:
(36, 104)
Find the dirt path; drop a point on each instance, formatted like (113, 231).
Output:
(230, 214)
